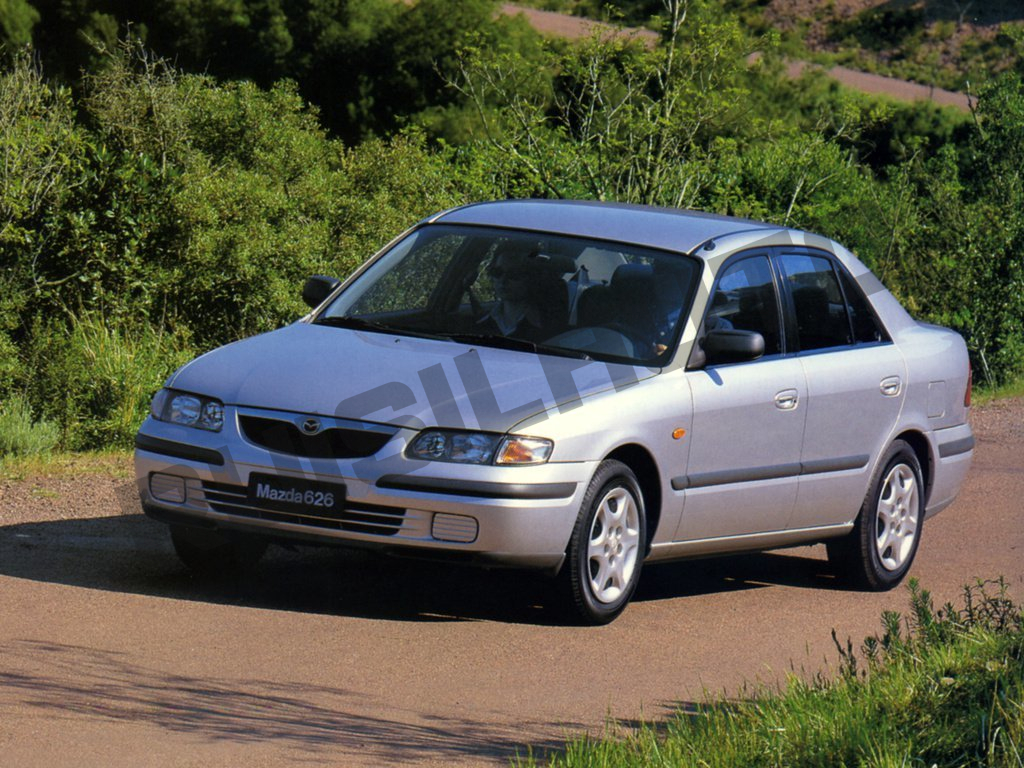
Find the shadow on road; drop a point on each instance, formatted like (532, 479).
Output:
(132, 554)
(78, 680)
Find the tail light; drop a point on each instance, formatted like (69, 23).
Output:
(970, 386)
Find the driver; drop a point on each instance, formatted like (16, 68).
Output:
(526, 288)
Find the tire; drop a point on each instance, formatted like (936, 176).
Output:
(607, 548)
(879, 551)
(212, 553)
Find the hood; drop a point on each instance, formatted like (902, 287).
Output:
(394, 379)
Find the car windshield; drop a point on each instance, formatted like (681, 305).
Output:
(524, 290)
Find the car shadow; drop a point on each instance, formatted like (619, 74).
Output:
(131, 553)
(804, 568)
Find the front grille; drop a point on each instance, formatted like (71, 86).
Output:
(331, 443)
(356, 518)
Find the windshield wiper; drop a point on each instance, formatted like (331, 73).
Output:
(362, 324)
(510, 342)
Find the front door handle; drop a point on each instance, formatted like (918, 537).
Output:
(890, 386)
(787, 399)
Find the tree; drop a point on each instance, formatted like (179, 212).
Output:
(17, 18)
(620, 120)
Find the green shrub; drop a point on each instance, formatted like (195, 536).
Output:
(386, 187)
(10, 365)
(97, 381)
(17, 17)
(20, 434)
(956, 223)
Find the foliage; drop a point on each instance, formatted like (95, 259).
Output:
(20, 434)
(957, 253)
(369, 65)
(179, 214)
(96, 382)
(1011, 388)
(955, 44)
(17, 18)
(110, 463)
(929, 200)
(41, 151)
(942, 688)
(10, 365)
(620, 121)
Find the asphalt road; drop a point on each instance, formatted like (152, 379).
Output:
(112, 655)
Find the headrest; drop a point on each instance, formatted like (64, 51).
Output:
(632, 277)
(530, 255)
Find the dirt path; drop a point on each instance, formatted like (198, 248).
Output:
(111, 654)
(902, 90)
(575, 28)
(571, 27)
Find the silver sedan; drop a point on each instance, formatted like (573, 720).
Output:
(574, 387)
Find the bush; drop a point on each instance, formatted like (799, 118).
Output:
(20, 434)
(10, 365)
(957, 235)
(96, 382)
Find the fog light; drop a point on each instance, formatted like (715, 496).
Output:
(167, 488)
(460, 528)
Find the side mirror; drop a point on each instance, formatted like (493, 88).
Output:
(318, 288)
(732, 346)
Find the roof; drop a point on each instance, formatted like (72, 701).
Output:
(666, 228)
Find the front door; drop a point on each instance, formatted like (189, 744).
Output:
(748, 419)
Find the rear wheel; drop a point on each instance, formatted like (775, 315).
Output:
(212, 552)
(606, 550)
(879, 551)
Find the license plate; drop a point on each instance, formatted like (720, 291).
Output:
(289, 494)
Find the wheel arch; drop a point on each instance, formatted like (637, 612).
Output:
(919, 444)
(640, 460)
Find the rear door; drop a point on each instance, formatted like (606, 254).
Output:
(856, 379)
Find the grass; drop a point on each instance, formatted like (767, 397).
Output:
(1012, 388)
(21, 434)
(936, 688)
(113, 463)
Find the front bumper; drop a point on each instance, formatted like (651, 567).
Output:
(509, 516)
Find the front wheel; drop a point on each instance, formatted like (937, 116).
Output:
(606, 550)
(878, 552)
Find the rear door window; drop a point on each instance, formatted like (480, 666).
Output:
(822, 320)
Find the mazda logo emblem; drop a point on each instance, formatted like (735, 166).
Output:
(311, 426)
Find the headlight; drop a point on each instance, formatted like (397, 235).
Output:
(479, 448)
(188, 410)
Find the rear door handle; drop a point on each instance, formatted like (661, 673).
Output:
(787, 399)
(890, 386)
